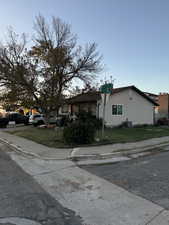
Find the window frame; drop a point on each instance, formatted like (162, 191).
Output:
(117, 109)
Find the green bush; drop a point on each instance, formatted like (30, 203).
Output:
(87, 117)
(79, 133)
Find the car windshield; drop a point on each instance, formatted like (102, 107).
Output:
(37, 116)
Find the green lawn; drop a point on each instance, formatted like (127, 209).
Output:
(53, 138)
(121, 135)
(44, 136)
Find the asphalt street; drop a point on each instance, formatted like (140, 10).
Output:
(21, 196)
(147, 177)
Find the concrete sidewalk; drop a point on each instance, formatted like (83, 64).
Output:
(106, 150)
(89, 155)
(31, 148)
(95, 200)
(118, 152)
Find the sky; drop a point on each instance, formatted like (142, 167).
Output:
(132, 35)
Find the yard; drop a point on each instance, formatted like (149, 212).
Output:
(53, 138)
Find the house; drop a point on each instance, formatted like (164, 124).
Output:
(84, 102)
(124, 104)
(128, 104)
(163, 108)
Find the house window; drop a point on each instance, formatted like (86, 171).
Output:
(117, 109)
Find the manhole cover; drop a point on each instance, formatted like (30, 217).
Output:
(17, 221)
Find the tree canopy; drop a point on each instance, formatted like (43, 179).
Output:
(39, 75)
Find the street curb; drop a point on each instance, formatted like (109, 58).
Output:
(128, 152)
(76, 158)
(18, 221)
(21, 151)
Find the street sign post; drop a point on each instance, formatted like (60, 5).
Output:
(106, 89)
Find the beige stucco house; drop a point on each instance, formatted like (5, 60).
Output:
(127, 104)
(123, 104)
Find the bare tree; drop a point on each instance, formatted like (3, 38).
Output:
(42, 74)
(18, 73)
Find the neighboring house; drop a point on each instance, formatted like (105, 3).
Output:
(163, 108)
(124, 104)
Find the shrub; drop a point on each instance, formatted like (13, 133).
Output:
(87, 117)
(79, 133)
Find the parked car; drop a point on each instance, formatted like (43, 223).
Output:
(17, 118)
(37, 119)
(3, 122)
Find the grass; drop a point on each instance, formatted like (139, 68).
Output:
(52, 138)
(44, 136)
(122, 135)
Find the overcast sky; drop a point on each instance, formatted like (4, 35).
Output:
(132, 35)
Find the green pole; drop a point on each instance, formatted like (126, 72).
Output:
(103, 122)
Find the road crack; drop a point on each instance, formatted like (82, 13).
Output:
(160, 212)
